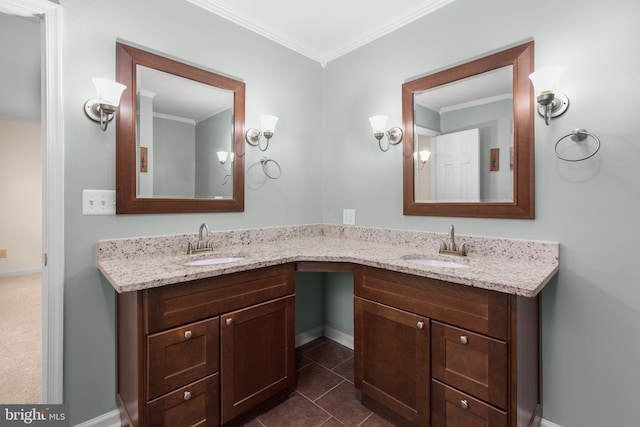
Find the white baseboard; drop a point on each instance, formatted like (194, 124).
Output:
(339, 337)
(546, 423)
(110, 419)
(319, 331)
(20, 272)
(308, 336)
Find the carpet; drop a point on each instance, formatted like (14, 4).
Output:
(21, 339)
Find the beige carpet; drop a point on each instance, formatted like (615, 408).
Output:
(21, 339)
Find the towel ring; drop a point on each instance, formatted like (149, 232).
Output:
(578, 135)
(265, 161)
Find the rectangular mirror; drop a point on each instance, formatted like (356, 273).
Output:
(468, 147)
(179, 137)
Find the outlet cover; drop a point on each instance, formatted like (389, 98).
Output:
(98, 202)
(349, 217)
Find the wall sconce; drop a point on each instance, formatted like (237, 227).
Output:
(223, 156)
(551, 103)
(268, 125)
(379, 128)
(103, 108)
(421, 157)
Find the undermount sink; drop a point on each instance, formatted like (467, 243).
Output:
(430, 262)
(213, 261)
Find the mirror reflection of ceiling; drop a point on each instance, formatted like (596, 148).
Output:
(182, 99)
(487, 87)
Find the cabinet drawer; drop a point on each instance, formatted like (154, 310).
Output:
(473, 363)
(451, 408)
(181, 355)
(174, 305)
(479, 310)
(193, 405)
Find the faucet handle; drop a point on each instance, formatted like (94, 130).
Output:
(443, 244)
(463, 249)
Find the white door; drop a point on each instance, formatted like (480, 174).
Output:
(456, 167)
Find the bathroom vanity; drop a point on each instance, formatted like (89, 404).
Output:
(186, 354)
(434, 346)
(434, 353)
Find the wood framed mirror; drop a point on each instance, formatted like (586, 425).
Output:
(173, 127)
(469, 139)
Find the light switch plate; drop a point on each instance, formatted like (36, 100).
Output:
(349, 217)
(98, 202)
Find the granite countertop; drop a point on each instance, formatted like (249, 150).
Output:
(511, 266)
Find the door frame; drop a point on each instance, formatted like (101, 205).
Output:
(52, 125)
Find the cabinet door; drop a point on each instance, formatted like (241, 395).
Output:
(257, 354)
(392, 359)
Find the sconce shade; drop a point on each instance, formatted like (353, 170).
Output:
(103, 108)
(424, 155)
(551, 103)
(109, 92)
(268, 123)
(546, 80)
(378, 124)
(222, 156)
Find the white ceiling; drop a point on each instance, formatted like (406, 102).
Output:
(322, 29)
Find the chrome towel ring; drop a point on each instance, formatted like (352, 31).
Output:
(578, 135)
(265, 168)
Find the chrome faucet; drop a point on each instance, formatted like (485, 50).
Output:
(201, 245)
(449, 247)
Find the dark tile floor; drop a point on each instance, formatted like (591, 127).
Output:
(324, 393)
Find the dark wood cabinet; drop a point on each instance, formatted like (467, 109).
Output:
(433, 353)
(392, 358)
(258, 355)
(207, 351)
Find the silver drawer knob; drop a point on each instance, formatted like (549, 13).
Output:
(229, 321)
(420, 325)
(464, 404)
(187, 395)
(187, 335)
(463, 339)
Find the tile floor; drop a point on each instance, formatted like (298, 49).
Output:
(324, 392)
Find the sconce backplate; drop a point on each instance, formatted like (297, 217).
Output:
(558, 106)
(93, 110)
(395, 135)
(252, 136)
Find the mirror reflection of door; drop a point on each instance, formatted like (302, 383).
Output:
(455, 170)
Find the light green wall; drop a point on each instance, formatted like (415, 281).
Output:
(591, 310)
(309, 301)
(278, 81)
(338, 302)
(212, 135)
(174, 158)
